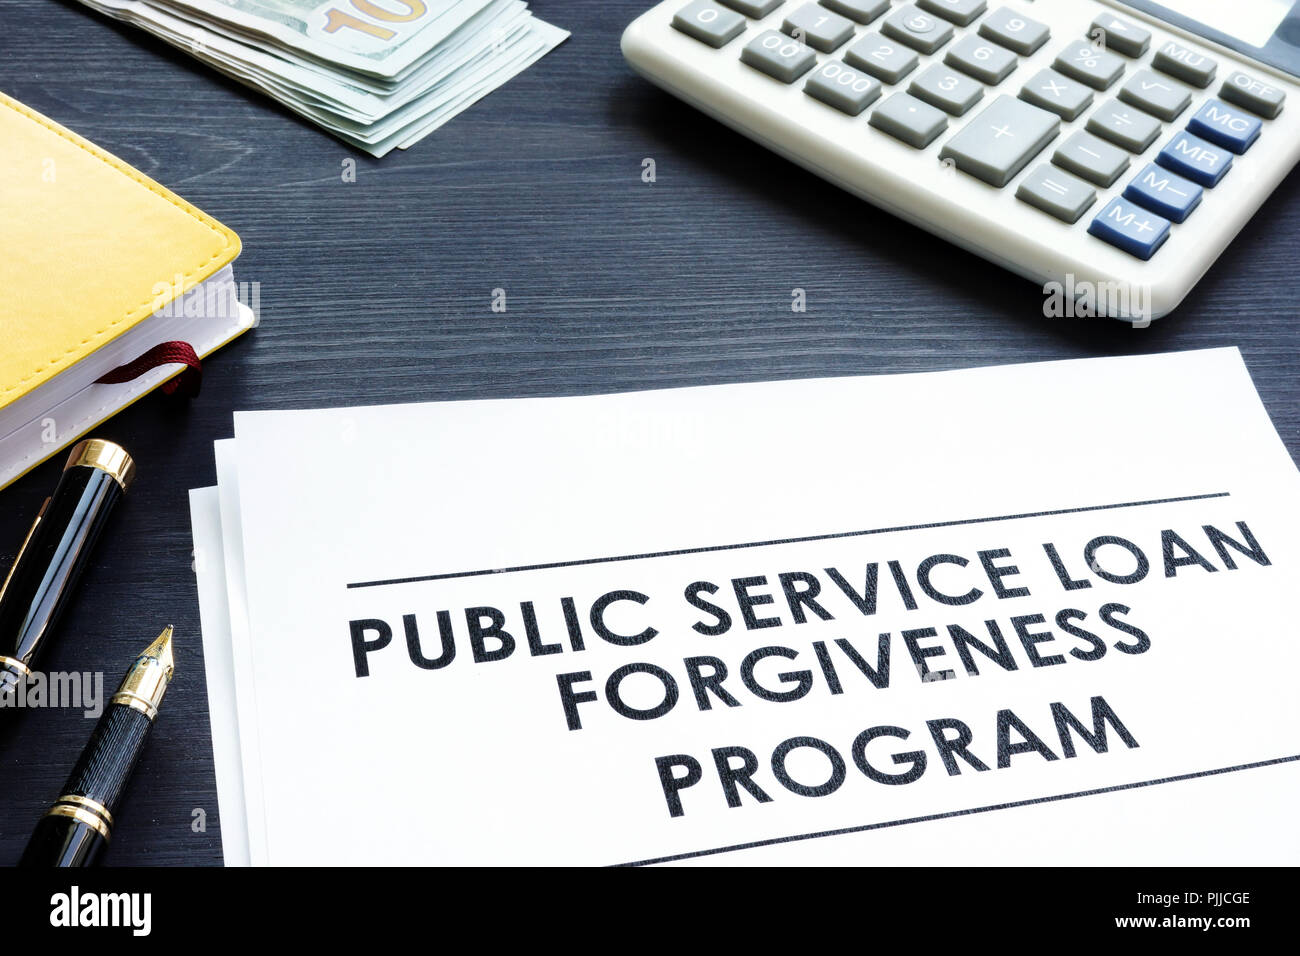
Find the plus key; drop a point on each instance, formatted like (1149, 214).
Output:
(999, 142)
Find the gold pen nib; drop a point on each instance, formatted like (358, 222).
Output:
(161, 651)
(147, 680)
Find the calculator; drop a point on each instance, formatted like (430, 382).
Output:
(1113, 148)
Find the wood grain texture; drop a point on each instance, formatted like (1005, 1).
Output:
(380, 290)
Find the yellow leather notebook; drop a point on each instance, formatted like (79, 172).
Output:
(100, 268)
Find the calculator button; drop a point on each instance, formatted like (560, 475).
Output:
(1260, 98)
(941, 87)
(709, 22)
(1060, 94)
(884, 59)
(1089, 64)
(864, 11)
(1121, 36)
(920, 31)
(1224, 126)
(1131, 228)
(981, 59)
(1057, 193)
(779, 56)
(1184, 64)
(1157, 95)
(1001, 140)
(1087, 156)
(754, 9)
(960, 12)
(848, 90)
(1124, 126)
(907, 118)
(818, 27)
(1017, 33)
(1200, 161)
(1164, 193)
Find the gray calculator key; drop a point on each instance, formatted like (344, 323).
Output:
(1087, 156)
(755, 9)
(946, 89)
(921, 31)
(848, 90)
(887, 60)
(818, 27)
(864, 11)
(779, 56)
(1121, 35)
(907, 118)
(1001, 140)
(1158, 95)
(1090, 64)
(1057, 193)
(1050, 90)
(1178, 61)
(1014, 31)
(709, 22)
(1262, 99)
(1124, 126)
(960, 12)
(981, 59)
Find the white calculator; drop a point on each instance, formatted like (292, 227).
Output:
(1113, 147)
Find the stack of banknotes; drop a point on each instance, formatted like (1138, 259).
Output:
(378, 74)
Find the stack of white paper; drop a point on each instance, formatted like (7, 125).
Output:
(1030, 614)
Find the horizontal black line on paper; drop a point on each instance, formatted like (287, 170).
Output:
(761, 544)
(960, 813)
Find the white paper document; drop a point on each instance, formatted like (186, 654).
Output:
(1029, 614)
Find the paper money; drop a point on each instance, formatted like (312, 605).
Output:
(379, 74)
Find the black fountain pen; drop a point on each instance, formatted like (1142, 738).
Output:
(76, 829)
(57, 550)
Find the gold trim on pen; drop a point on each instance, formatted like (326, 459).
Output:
(106, 456)
(81, 816)
(26, 541)
(14, 663)
(94, 806)
(135, 702)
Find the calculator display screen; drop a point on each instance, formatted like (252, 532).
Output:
(1265, 30)
(1253, 21)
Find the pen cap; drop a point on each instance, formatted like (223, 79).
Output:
(57, 550)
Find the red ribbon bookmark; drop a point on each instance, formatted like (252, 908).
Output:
(168, 353)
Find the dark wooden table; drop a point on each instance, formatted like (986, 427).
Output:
(380, 290)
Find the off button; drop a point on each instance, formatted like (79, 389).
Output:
(1249, 93)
